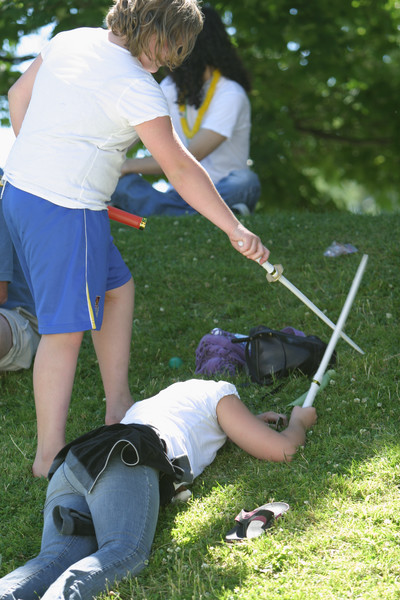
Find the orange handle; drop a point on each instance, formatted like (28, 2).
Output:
(121, 216)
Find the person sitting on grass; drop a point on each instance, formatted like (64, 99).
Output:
(210, 110)
(103, 498)
(19, 336)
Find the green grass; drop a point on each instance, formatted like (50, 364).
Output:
(340, 540)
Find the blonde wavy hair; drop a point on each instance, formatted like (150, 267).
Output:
(174, 23)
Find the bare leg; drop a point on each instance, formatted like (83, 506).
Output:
(6, 340)
(112, 344)
(53, 378)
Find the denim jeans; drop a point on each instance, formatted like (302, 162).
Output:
(124, 507)
(137, 196)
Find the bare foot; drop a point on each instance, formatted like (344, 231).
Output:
(40, 469)
(44, 460)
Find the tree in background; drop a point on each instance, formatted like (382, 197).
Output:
(325, 100)
(326, 110)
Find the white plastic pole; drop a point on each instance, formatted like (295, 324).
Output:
(271, 270)
(315, 385)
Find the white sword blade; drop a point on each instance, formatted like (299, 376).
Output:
(271, 270)
(336, 333)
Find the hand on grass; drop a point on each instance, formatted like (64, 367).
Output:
(307, 416)
(273, 418)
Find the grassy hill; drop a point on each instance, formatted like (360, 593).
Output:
(341, 537)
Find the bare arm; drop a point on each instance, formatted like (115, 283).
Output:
(192, 182)
(20, 93)
(253, 435)
(144, 166)
(203, 143)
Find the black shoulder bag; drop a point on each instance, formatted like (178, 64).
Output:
(271, 355)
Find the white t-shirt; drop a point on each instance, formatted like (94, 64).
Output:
(186, 418)
(88, 95)
(228, 114)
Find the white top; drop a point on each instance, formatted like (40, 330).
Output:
(186, 418)
(88, 95)
(228, 114)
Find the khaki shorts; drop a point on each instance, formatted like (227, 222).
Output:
(25, 339)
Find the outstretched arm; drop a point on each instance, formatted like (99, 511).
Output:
(146, 165)
(253, 435)
(192, 182)
(203, 143)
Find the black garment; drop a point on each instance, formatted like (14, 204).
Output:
(138, 445)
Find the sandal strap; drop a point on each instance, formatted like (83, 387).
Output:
(244, 518)
(245, 515)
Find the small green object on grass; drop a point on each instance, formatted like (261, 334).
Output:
(325, 380)
(175, 362)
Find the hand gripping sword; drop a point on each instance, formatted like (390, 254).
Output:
(274, 273)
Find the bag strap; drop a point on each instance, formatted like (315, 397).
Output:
(272, 392)
(253, 363)
(254, 333)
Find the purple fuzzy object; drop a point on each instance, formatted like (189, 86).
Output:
(217, 354)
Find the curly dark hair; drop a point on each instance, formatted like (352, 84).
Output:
(213, 48)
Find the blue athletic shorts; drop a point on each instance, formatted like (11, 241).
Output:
(68, 257)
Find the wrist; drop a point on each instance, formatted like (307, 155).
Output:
(233, 230)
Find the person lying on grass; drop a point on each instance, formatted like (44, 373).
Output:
(105, 487)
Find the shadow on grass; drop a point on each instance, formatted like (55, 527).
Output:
(351, 457)
(328, 509)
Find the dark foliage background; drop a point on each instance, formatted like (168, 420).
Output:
(325, 98)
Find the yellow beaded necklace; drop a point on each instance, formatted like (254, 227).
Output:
(189, 133)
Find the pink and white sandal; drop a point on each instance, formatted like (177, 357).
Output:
(251, 524)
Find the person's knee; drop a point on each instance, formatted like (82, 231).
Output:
(132, 553)
(70, 341)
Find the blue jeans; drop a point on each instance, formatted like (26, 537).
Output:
(137, 196)
(124, 507)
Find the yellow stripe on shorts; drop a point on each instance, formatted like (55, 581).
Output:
(90, 309)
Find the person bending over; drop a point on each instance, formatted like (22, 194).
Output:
(105, 487)
(210, 111)
(81, 104)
